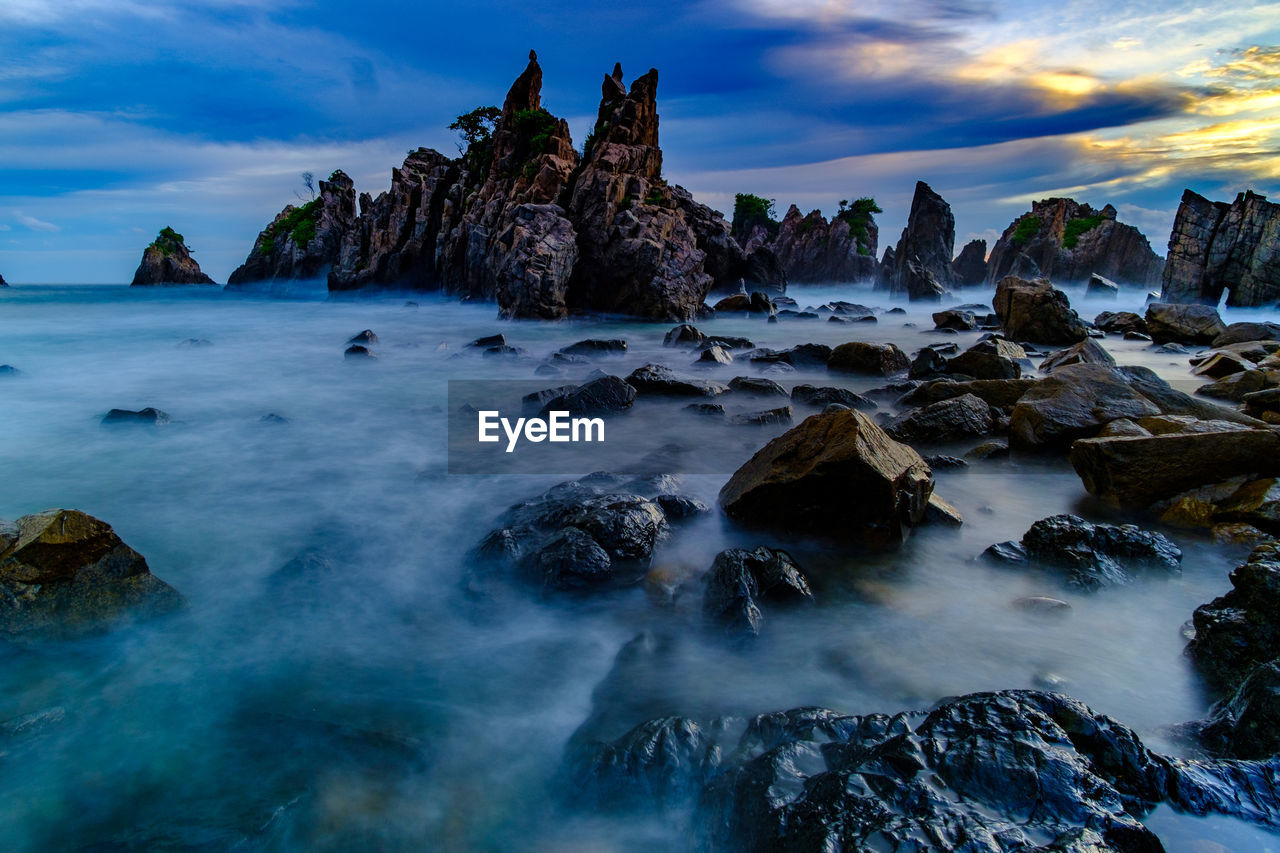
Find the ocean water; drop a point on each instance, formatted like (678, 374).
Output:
(377, 704)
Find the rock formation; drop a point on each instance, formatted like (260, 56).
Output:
(521, 219)
(922, 259)
(1217, 247)
(811, 249)
(302, 242)
(167, 261)
(3, 283)
(1063, 240)
(1036, 311)
(970, 266)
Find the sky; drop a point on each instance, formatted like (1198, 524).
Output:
(121, 117)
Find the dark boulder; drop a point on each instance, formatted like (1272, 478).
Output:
(1240, 631)
(994, 358)
(741, 581)
(821, 397)
(1246, 724)
(657, 379)
(593, 346)
(1095, 556)
(1239, 333)
(1120, 322)
(1000, 393)
(603, 396)
(1101, 287)
(148, 415)
(757, 387)
(1075, 402)
(1087, 351)
(947, 420)
(952, 318)
(683, 335)
(766, 417)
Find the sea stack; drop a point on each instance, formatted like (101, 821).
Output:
(168, 261)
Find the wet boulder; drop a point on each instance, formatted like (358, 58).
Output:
(1136, 472)
(713, 356)
(659, 380)
(954, 318)
(578, 535)
(64, 573)
(603, 396)
(1036, 311)
(867, 358)
(1095, 556)
(837, 475)
(946, 420)
(1240, 631)
(1238, 333)
(1219, 365)
(757, 387)
(1246, 724)
(801, 355)
(764, 417)
(741, 582)
(1183, 323)
(593, 346)
(1101, 287)
(1236, 386)
(365, 337)
(683, 335)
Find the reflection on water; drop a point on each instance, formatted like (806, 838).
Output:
(362, 699)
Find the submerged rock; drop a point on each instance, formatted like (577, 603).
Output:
(148, 415)
(604, 396)
(837, 475)
(1090, 556)
(63, 573)
(821, 397)
(661, 380)
(862, 357)
(946, 420)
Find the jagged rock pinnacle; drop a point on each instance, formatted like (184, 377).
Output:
(617, 71)
(533, 56)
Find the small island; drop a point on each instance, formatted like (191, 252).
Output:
(168, 261)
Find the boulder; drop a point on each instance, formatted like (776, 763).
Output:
(837, 475)
(168, 261)
(713, 356)
(1120, 322)
(65, 573)
(1217, 247)
(741, 581)
(1094, 556)
(1246, 724)
(594, 346)
(660, 380)
(801, 355)
(994, 359)
(947, 420)
(1219, 365)
(1036, 311)
(1087, 351)
(1136, 472)
(577, 535)
(368, 337)
(757, 387)
(683, 335)
(824, 396)
(1100, 287)
(358, 352)
(868, 358)
(765, 417)
(603, 396)
(1236, 386)
(1074, 402)
(1183, 323)
(953, 318)
(1239, 333)
(1239, 631)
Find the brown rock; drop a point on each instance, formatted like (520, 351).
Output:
(837, 475)
(1036, 311)
(1183, 323)
(1217, 247)
(862, 357)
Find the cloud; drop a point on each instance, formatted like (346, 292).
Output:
(34, 224)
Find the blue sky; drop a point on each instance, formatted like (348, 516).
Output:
(123, 116)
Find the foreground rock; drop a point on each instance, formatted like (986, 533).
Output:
(64, 573)
(1136, 472)
(837, 475)
(984, 773)
(946, 420)
(1217, 247)
(867, 358)
(168, 261)
(1089, 556)
(1036, 311)
(1066, 241)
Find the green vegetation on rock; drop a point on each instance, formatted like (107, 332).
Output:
(748, 212)
(1076, 227)
(477, 126)
(858, 215)
(167, 241)
(536, 126)
(299, 225)
(1028, 227)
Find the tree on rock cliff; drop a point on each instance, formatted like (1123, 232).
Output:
(750, 211)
